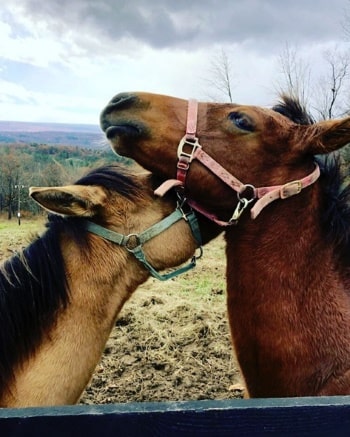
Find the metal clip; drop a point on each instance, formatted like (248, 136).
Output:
(181, 204)
(241, 206)
(242, 203)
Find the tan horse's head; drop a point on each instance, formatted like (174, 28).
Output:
(257, 145)
(124, 203)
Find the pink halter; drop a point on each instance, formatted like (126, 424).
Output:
(189, 149)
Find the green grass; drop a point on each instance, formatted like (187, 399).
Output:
(14, 237)
(206, 281)
(26, 225)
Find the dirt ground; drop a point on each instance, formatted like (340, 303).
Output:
(171, 340)
(166, 347)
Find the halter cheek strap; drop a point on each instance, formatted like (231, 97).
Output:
(188, 141)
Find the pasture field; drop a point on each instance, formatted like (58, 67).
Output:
(171, 340)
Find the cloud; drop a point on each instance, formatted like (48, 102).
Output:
(184, 24)
(18, 102)
(61, 59)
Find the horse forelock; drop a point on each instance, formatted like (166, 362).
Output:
(292, 108)
(114, 178)
(336, 202)
(33, 289)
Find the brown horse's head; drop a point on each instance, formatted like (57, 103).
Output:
(258, 146)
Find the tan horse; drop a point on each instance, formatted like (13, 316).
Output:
(59, 299)
(288, 258)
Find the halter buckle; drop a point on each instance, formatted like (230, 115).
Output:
(185, 142)
(290, 189)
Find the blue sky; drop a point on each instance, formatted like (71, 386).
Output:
(62, 60)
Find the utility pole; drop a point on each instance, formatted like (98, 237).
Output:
(19, 187)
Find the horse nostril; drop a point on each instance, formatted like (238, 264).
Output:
(120, 97)
(121, 101)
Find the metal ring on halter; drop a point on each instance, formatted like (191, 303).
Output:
(249, 186)
(242, 204)
(132, 241)
(195, 257)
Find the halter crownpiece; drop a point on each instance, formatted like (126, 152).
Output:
(190, 149)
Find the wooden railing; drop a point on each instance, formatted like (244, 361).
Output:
(324, 416)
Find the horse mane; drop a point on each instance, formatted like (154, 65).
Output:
(114, 178)
(336, 186)
(336, 202)
(33, 285)
(32, 290)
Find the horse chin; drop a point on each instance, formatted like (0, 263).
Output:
(118, 147)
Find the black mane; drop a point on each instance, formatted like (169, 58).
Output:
(33, 287)
(336, 183)
(294, 110)
(114, 178)
(336, 201)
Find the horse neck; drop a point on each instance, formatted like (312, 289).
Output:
(62, 365)
(286, 291)
(281, 251)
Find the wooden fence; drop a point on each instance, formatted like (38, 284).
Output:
(324, 416)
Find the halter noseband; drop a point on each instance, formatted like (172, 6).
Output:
(134, 242)
(190, 149)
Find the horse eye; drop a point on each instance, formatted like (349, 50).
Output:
(241, 121)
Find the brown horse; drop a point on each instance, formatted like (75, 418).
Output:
(288, 262)
(59, 298)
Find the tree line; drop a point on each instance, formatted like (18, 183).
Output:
(25, 165)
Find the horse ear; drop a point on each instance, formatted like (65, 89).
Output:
(74, 200)
(327, 136)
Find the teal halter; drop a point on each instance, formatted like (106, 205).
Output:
(134, 242)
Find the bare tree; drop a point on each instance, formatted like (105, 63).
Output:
(323, 94)
(329, 101)
(221, 77)
(296, 75)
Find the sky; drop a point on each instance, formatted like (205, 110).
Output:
(63, 60)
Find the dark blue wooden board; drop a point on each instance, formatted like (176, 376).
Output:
(326, 416)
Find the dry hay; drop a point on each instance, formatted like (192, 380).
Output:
(167, 347)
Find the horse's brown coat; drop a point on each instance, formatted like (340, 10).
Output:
(288, 285)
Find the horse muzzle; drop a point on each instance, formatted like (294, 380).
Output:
(117, 121)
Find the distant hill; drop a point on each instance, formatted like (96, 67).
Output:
(81, 135)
